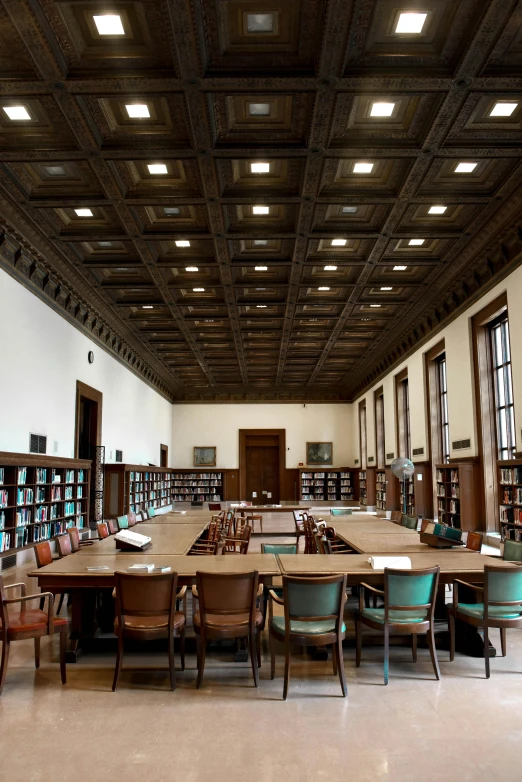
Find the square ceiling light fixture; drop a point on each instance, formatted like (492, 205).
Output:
(416, 242)
(399, 268)
(437, 210)
(349, 210)
(381, 109)
(171, 210)
(260, 210)
(17, 113)
(260, 23)
(410, 23)
(503, 109)
(259, 109)
(260, 242)
(84, 212)
(157, 168)
(338, 242)
(109, 24)
(362, 168)
(182, 243)
(260, 168)
(465, 168)
(137, 110)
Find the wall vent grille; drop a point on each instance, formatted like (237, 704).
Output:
(418, 451)
(390, 455)
(119, 456)
(460, 445)
(8, 562)
(37, 443)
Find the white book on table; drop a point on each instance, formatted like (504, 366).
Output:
(141, 568)
(133, 538)
(399, 563)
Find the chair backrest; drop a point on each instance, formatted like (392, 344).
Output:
(103, 529)
(412, 590)
(474, 541)
(131, 517)
(213, 531)
(410, 522)
(74, 536)
(151, 512)
(214, 506)
(502, 585)
(278, 548)
(151, 594)
(424, 524)
(396, 516)
(122, 522)
(314, 598)
(227, 593)
(43, 554)
(63, 545)
(512, 551)
(113, 526)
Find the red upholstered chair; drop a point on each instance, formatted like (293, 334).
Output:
(76, 543)
(44, 556)
(474, 541)
(103, 530)
(28, 623)
(132, 519)
(63, 546)
(113, 526)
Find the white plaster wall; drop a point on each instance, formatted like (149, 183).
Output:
(219, 425)
(42, 358)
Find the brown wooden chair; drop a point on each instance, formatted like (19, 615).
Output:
(474, 541)
(314, 608)
(63, 547)
(44, 556)
(251, 519)
(112, 524)
(396, 516)
(28, 623)
(424, 524)
(76, 543)
(208, 545)
(103, 530)
(310, 539)
(146, 611)
(132, 519)
(299, 528)
(238, 544)
(227, 609)
(214, 506)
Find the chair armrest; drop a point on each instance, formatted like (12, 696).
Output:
(373, 589)
(275, 598)
(195, 592)
(14, 586)
(260, 590)
(471, 586)
(182, 592)
(26, 598)
(87, 542)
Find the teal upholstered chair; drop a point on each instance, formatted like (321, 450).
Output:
(512, 551)
(278, 548)
(409, 604)
(313, 616)
(123, 522)
(501, 607)
(410, 522)
(151, 512)
(341, 512)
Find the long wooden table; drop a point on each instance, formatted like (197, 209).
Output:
(379, 543)
(167, 539)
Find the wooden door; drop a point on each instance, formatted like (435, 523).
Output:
(262, 474)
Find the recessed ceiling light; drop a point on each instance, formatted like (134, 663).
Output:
(182, 243)
(17, 112)
(348, 210)
(157, 168)
(503, 109)
(410, 23)
(259, 109)
(437, 210)
(171, 210)
(416, 242)
(147, 307)
(260, 23)
(375, 305)
(137, 110)
(362, 168)
(109, 24)
(382, 109)
(330, 268)
(84, 212)
(261, 306)
(191, 269)
(338, 242)
(465, 168)
(323, 288)
(399, 268)
(261, 268)
(55, 170)
(260, 210)
(260, 168)
(386, 288)
(198, 290)
(260, 242)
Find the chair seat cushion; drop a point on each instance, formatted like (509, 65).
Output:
(223, 621)
(305, 628)
(476, 610)
(397, 617)
(150, 622)
(28, 621)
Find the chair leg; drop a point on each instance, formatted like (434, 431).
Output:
(258, 648)
(287, 670)
(37, 652)
(358, 643)
(253, 657)
(172, 670)
(433, 652)
(60, 604)
(334, 660)
(5, 659)
(414, 647)
(386, 652)
(452, 637)
(272, 654)
(119, 660)
(201, 661)
(503, 640)
(182, 647)
(63, 651)
(486, 651)
(338, 651)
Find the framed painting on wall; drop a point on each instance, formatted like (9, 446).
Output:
(205, 456)
(319, 453)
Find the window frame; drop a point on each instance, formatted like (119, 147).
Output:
(380, 432)
(502, 382)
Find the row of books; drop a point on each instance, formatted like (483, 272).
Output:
(512, 496)
(441, 476)
(24, 496)
(2, 520)
(5, 541)
(196, 484)
(513, 515)
(196, 497)
(454, 491)
(199, 476)
(147, 476)
(141, 486)
(4, 499)
(511, 475)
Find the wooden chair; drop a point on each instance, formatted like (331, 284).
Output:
(512, 551)
(113, 527)
(208, 545)
(474, 541)
(313, 616)
(396, 516)
(251, 519)
(238, 544)
(131, 517)
(299, 527)
(410, 522)
(501, 607)
(28, 623)
(227, 609)
(424, 524)
(103, 530)
(122, 522)
(409, 605)
(44, 556)
(63, 547)
(214, 506)
(76, 543)
(151, 512)
(310, 539)
(146, 611)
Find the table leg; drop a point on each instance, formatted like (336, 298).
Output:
(82, 621)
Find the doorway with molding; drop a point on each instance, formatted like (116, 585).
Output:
(261, 465)
(87, 442)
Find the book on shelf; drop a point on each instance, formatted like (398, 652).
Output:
(4, 498)
(56, 476)
(24, 496)
(41, 475)
(69, 476)
(5, 541)
(22, 476)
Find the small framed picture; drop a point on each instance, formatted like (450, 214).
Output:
(205, 456)
(319, 453)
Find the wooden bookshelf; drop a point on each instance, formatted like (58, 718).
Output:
(456, 492)
(410, 496)
(134, 488)
(509, 480)
(387, 490)
(367, 487)
(197, 485)
(380, 489)
(40, 498)
(327, 484)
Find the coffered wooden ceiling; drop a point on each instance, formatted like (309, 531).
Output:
(246, 199)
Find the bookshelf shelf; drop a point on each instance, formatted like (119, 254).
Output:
(380, 490)
(456, 493)
(327, 485)
(197, 485)
(509, 479)
(367, 487)
(31, 508)
(133, 488)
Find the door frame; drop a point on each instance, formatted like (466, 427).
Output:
(243, 434)
(164, 449)
(83, 390)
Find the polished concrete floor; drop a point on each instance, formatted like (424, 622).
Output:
(461, 728)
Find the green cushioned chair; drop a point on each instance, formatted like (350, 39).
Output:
(313, 616)
(341, 512)
(410, 522)
(275, 548)
(151, 512)
(501, 607)
(409, 604)
(512, 551)
(123, 522)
